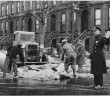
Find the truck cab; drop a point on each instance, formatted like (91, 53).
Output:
(29, 46)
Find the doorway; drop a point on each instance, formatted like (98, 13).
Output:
(87, 44)
(11, 26)
(29, 24)
(84, 20)
(54, 43)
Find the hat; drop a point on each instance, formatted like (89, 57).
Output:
(97, 28)
(64, 40)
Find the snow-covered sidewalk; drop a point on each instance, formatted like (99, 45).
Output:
(45, 72)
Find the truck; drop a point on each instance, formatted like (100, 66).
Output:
(31, 48)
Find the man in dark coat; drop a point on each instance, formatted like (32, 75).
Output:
(98, 63)
(16, 50)
(80, 55)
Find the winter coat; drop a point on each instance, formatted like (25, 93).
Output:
(69, 50)
(59, 48)
(15, 50)
(8, 49)
(80, 55)
(97, 56)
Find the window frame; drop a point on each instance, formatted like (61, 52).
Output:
(7, 9)
(2, 27)
(6, 28)
(37, 6)
(63, 23)
(12, 8)
(109, 17)
(23, 6)
(18, 7)
(95, 19)
(54, 2)
(2, 10)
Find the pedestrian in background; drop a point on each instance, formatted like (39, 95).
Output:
(59, 48)
(69, 51)
(97, 56)
(80, 55)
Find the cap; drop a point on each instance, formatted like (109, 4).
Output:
(64, 40)
(97, 28)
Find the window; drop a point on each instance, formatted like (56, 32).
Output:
(54, 2)
(37, 5)
(6, 30)
(74, 21)
(23, 6)
(2, 10)
(63, 22)
(45, 5)
(1, 28)
(109, 18)
(23, 24)
(7, 9)
(46, 22)
(97, 16)
(74, 17)
(37, 25)
(31, 4)
(18, 7)
(12, 8)
(17, 25)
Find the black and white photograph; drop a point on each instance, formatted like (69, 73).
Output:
(54, 47)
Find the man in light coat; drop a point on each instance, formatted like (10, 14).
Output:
(69, 51)
(80, 55)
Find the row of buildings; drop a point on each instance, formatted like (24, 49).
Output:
(66, 17)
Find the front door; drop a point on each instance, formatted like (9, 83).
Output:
(84, 20)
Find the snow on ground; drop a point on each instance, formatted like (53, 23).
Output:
(45, 72)
(2, 58)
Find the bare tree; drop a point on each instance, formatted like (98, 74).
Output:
(44, 14)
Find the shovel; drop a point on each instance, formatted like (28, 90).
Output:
(55, 68)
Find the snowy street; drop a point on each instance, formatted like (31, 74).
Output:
(46, 81)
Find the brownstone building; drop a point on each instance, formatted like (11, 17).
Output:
(66, 17)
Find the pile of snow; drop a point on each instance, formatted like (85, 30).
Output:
(108, 63)
(2, 58)
(45, 72)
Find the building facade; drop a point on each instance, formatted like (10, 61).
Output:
(64, 18)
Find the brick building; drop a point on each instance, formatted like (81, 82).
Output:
(63, 20)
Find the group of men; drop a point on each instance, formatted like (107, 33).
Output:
(97, 57)
(72, 55)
